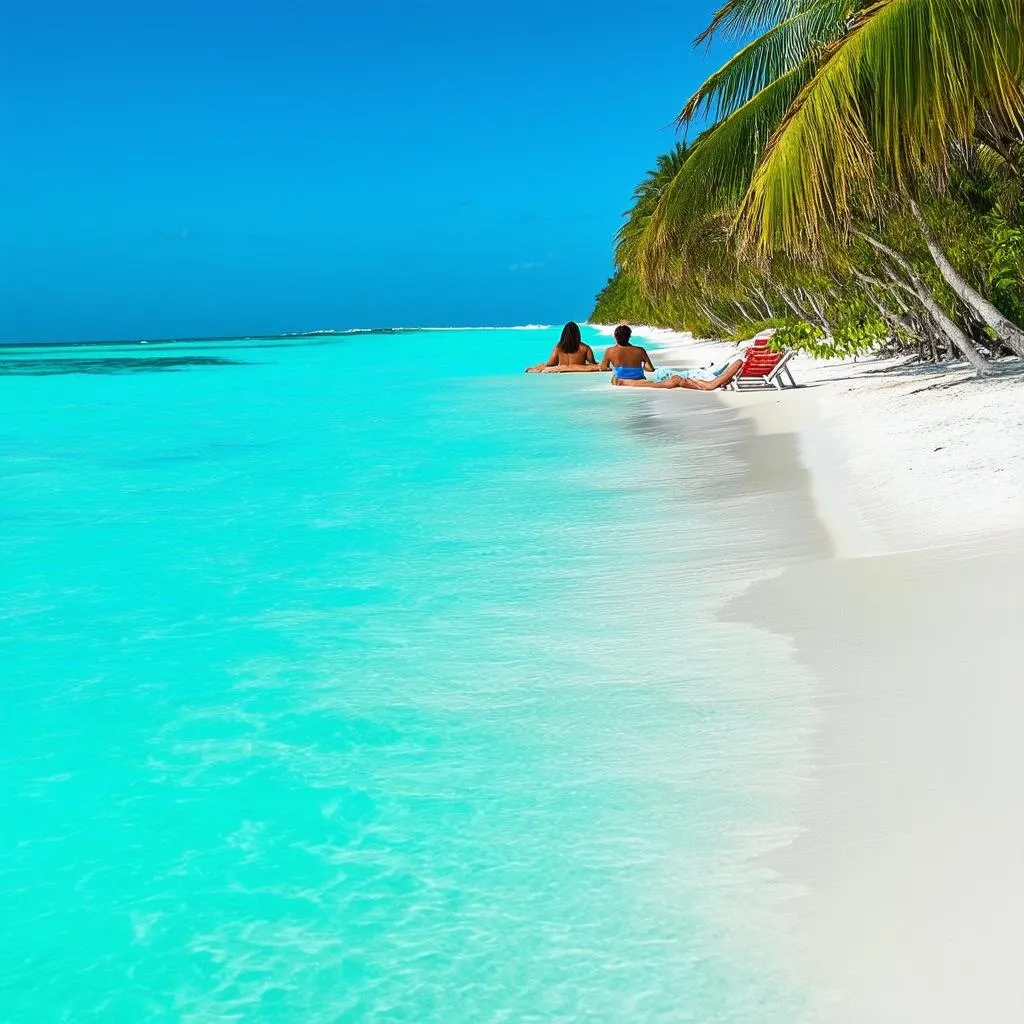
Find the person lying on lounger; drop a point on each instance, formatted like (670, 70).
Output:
(693, 380)
(626, 360)
(571, 355)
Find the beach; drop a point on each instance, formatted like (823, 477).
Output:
(504, 696)
(366, 657)
(911, 838)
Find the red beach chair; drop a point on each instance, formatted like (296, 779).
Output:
(763, 367)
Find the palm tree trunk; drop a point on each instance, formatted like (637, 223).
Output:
(715, 321)
(956, 336)
(764, 302)
(892, 320)
(789, 302)
(1006, 330)
(743, 311)
(821, 316)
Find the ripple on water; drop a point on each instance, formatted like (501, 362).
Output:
(331, 703)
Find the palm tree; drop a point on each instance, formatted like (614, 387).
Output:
(834, 108)
(645, 200)
(896, 95)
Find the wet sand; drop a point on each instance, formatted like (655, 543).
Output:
(913, 845)
(904, 601)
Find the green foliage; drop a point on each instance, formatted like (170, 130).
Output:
(622, 299)
(897, 94)
(800, 335)
(749, 328)
(858, 328)
(796, 207)
(854, 336)
(1006, 267)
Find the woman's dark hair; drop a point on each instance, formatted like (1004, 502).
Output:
(623, 334)
(571, 339)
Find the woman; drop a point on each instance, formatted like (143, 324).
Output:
(626, 360)
(570, 355)
(706, 378)
(692, 380)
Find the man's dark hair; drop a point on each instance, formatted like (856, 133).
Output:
(623, 334)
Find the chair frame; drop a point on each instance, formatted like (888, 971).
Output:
(775, 378)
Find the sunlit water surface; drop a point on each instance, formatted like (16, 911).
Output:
(343, 683)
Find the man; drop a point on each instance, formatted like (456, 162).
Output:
(626, 360)
(704, 379)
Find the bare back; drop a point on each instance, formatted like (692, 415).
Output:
(631, 357)
(583, 356)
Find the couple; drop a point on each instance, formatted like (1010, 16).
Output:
(628, 363)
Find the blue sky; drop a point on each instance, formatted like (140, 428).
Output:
(185, 169)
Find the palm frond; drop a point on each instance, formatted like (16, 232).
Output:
(993, 163)
(890, 97)
(645, 199)
(740, 18)
(782, 48)
(713, 178)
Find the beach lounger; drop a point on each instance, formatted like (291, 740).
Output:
(763, 368)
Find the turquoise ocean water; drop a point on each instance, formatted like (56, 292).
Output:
(347, 679)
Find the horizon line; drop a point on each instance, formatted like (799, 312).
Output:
(287, 335)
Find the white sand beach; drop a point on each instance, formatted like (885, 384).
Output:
(912, 838)
(918, 456)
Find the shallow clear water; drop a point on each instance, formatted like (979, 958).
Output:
(336, 693)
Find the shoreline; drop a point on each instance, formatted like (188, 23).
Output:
(910, 457)
(911, 834)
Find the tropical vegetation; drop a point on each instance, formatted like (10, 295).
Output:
(859, 184)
